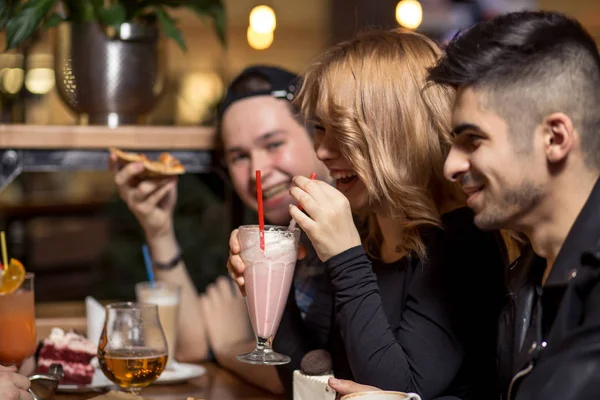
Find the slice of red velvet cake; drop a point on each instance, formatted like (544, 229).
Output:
(74, 352)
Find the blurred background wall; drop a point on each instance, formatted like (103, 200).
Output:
(72, 228)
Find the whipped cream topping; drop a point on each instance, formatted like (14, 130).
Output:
(70, 340)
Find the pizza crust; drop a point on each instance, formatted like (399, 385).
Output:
(166, 165)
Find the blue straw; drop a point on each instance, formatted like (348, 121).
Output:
(148, 263)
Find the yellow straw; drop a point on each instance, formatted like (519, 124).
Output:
(4, 255)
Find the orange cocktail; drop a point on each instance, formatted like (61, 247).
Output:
(17, 324)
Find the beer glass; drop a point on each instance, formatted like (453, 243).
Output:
(133, 350)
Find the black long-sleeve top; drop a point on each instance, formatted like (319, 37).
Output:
(416, 325)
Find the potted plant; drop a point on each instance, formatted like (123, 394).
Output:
(108, 62)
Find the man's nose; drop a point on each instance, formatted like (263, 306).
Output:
(456, 165)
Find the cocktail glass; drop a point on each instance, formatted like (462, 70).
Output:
(17, 323)
(268, 279)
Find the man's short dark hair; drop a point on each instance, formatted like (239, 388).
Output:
(528, 65)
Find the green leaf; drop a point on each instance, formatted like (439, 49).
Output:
(5, 12)
(80, 10)
(113, 16)
(165, 3)
(169, 28)
(54, 20)
(26, 20)
(133, 8)
(216, 11)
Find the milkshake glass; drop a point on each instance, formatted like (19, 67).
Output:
(268, 279)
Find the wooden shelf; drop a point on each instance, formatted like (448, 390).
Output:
(101, 137)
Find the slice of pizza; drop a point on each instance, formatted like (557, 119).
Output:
(166, 165)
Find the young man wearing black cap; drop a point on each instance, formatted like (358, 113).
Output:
(259, 129)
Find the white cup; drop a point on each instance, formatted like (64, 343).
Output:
(381, 395)
(167, 297)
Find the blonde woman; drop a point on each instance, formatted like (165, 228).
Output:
(417, 297)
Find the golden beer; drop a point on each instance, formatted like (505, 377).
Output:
(132, 368)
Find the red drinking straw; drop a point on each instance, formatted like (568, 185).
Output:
(261, 212)
(312, 177)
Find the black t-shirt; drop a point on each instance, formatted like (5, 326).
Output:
(417, 325)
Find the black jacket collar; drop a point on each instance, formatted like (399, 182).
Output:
(583, 236)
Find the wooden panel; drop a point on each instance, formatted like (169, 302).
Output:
(100, 137)
(586, 11)
(57, 310)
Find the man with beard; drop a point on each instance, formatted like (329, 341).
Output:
(526, 150)
(259, 130)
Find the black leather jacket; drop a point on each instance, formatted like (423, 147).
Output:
(549, 336)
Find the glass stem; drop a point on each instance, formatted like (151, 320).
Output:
(263, 345)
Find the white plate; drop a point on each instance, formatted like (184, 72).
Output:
(181, 372)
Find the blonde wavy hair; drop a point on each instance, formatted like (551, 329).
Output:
(372, 93)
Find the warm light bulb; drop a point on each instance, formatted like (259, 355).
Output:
(39, 80)
(12, 80)
(259, 41)
(409, 14)
(262, 19)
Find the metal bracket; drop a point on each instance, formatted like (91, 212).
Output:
(14, 162)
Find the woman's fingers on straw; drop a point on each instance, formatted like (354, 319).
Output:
(307, 202)
(312, 187)
(305, 222)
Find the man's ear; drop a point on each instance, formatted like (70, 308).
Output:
(559, 136)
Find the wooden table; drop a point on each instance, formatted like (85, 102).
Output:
(216, 384)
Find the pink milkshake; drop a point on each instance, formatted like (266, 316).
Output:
(268, 277)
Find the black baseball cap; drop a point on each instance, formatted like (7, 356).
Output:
(283, 85)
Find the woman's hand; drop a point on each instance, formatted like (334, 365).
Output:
(151, 200)
(329, 223)
(235, 265)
